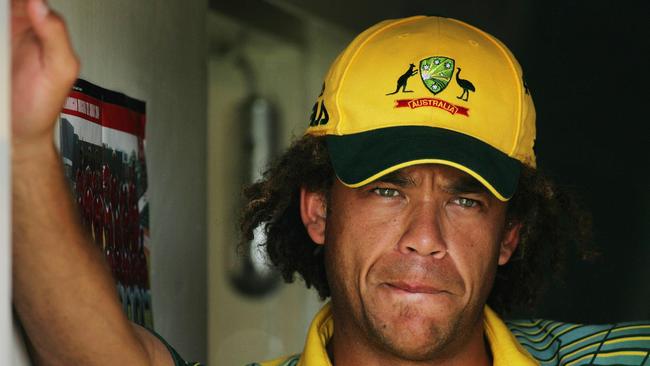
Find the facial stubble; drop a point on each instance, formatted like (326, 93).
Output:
(444, 338)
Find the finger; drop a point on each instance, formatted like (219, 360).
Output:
(37, 10)
(58, 56)
(18, 7)
(19, 19)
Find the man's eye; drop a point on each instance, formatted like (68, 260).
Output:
(386, 192)
(466, 202)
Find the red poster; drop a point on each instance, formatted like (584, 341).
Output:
(102, 137)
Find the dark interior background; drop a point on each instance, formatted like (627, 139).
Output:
(586, 64)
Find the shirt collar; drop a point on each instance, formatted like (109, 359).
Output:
(505, 349)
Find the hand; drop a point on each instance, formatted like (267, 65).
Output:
(43, 69)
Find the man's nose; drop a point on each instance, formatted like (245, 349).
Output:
(424, 232)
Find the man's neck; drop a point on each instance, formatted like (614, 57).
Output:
(347, 348)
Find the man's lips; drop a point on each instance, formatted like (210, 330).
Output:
(414, 287)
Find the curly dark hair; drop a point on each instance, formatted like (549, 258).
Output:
(551, 223)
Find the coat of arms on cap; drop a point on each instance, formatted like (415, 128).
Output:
(436, 72)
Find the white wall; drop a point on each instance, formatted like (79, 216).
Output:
(9, 342)
(242, 330)
(155, 50)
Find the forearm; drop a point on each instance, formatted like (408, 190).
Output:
(63, 292)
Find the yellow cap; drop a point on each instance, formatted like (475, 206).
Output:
(427, 90)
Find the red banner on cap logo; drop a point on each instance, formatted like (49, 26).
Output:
(432, 102)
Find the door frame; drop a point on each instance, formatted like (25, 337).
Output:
(6, 336)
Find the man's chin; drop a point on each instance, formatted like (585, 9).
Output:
(415, 344)
(410, 335)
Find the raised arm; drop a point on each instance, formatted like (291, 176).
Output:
(62, 290)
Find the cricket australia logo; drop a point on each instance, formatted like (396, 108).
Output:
(436, 72)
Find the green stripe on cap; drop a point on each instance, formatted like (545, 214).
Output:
(363, 157)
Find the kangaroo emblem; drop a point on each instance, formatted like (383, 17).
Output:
(401, 82)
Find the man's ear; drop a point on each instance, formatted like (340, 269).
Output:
(313, 211)
(510, 241)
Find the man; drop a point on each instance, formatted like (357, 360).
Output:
(412, 201)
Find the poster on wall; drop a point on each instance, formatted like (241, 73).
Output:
(101, 139)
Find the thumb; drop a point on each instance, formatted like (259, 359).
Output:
(58, 57)
(37, 10)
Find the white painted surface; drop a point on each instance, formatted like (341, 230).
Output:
(5, 265)
(12, 349)
(19, 352)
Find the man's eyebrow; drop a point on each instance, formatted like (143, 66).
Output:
(397, 178)
(466, 185)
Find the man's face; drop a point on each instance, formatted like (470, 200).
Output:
(411, 259)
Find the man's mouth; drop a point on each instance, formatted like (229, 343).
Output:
(414, 287)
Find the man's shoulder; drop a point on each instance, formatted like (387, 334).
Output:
(559, 343)
(282, 361)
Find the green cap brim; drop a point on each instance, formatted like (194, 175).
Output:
(361, 158)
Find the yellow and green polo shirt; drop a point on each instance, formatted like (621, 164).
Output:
(517, 343)
(513, 343)
(506, 350)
